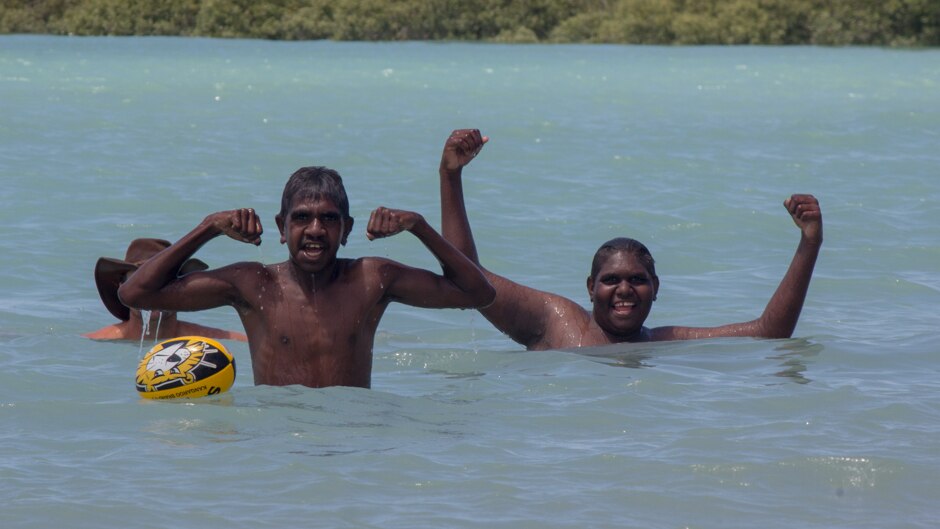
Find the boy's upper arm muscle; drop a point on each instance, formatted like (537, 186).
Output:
(198, 291)
(416, 286)
(523, 313)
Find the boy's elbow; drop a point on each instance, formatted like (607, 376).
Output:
(775, 332)
(130, 296)
(476, 297)
(485, 297)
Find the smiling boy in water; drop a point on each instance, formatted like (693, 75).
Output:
(623, 282)
(310, 320)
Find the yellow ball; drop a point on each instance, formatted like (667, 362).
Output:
(185, 367)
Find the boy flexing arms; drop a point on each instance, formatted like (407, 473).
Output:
(310, 320)
(623, 283)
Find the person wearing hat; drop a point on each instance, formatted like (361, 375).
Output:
(111, 272)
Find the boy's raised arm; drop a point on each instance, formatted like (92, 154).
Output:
(521, 312)
(459, 150)
(155, 286)
(783, 310)
(463, 284)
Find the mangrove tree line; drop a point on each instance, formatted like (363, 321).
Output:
(819, 22)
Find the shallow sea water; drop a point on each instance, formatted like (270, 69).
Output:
(690, 150)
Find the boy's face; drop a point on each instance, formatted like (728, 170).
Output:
(313, 229)
(622, 293)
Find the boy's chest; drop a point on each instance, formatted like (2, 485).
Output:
(328, 314)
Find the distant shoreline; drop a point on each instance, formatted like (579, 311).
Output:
(905, 23)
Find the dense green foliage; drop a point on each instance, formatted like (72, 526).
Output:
(822, 22)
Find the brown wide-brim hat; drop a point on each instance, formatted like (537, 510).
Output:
(111, 272)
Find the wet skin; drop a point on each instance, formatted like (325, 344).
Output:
(623, 292)
(313, 231)
(310, 320)
(622, 296)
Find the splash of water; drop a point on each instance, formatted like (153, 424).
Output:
(145, 330)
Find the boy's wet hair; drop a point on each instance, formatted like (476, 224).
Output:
(315, 182)
(623, 244)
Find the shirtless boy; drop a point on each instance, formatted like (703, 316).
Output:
(623, 283)
(310, 320)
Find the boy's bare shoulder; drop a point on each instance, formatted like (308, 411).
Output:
(369, 269)
(249, 267)
(369, 262)
(373, 265)
(250, 277)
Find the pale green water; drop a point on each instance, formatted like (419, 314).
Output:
(691, 150)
